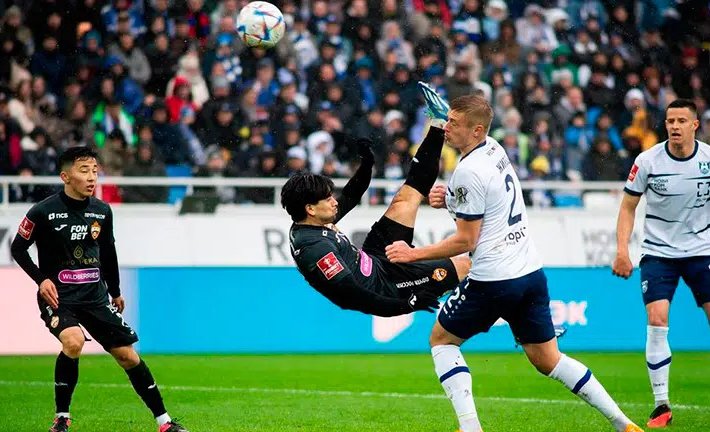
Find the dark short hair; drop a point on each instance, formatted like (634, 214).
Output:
(73, 154)
(683, 103)
(303, 189)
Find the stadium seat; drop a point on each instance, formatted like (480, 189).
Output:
(177, 193)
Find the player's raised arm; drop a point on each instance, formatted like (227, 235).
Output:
(360, 181)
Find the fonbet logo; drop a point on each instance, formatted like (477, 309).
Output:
(79, 232)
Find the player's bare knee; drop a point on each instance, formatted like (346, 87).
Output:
(73, 345)
(126, 357)
(657, 318)
(439, 336)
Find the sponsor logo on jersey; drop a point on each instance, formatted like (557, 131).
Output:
(94, 215)
(512, 238)
(439, 274)
(365, 264)
(78, 252)
(54, 322)
(461, 193)
(411, 283)
(82, 276)
(78, 232)
(53, 216)
(95, 230)
(633, 172)
(704, 167)
(60, 227)
(330, 266)
(25, 229)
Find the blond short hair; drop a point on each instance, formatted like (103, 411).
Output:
(476, 110)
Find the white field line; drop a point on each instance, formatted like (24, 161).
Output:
(310, 392)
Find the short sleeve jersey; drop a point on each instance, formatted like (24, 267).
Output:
(484, 186)
(677, 223)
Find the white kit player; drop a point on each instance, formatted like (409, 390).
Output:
(675, 177)
(506, 279)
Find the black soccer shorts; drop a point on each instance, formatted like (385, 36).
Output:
(103, 322)
(437, 276)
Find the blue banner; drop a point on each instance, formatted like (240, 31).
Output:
(273, 310)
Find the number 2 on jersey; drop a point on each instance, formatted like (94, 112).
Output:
(510, 184)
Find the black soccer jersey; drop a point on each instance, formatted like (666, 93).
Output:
(75, 247)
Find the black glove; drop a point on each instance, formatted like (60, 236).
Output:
(423, 300)
(364, 150)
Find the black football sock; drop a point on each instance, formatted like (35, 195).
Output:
(66, 374)
(145, 386)
(424, 168)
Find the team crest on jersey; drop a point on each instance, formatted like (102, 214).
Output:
(704, 167)
(439, 274)
(461, 194)
(95, 230)
(25, 229)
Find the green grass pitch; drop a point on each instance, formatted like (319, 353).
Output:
(393, 392)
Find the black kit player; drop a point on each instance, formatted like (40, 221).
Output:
(78, 270)
(363, 279)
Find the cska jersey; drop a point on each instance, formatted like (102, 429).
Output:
(677, 223)
(485, 186)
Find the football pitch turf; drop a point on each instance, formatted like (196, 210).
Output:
(376, 392)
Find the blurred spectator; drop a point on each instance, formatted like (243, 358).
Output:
(602, 162)
(110, 116)
(496, 12)
(578, 140)
(218, 166)
(169, 145)
(181, 97)
(132, 57)
(267, 166)
(21, 107)
(296, 160)
(144, 164)
(127, 90)
(162, 65)
(393, 41)
(122, 13)
(48, 62)
(534, 32)
(641, 129)
(114, 154)
(189, 68)
(705, 127)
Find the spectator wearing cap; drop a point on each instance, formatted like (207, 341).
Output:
(132, 57)
(633, 100)
(296, 160)
(393, 41)
(362, 89)
(170, 147)
(495, 11)
(334, 34)
(162, 64)
(641, 129)
(181, 97)
(189, 68)
(128, 91)
(123, 10)
(534, 32)
(561, 57)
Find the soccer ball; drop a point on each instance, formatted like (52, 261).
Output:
(261, 24)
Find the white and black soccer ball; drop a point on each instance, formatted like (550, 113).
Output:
(261, 24)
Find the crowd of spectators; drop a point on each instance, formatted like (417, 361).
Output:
(166, 87)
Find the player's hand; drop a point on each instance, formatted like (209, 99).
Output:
(364, 150)
(437, 197)
(400, 252)
(423, 301)
(119, 303)
(622, 266)
(48, 291)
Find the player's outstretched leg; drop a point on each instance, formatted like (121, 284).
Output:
(144, 384)
(66, 375)
(455, 377)
(547, 358)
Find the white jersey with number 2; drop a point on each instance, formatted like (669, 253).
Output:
(484, 186)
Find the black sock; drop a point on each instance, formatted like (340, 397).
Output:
(66, 374)
(425, 167)
(145, 386)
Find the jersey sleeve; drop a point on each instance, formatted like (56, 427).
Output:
(638, 178)
(109, 258)
(469, 191)
(26, 235)
(326, 272)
